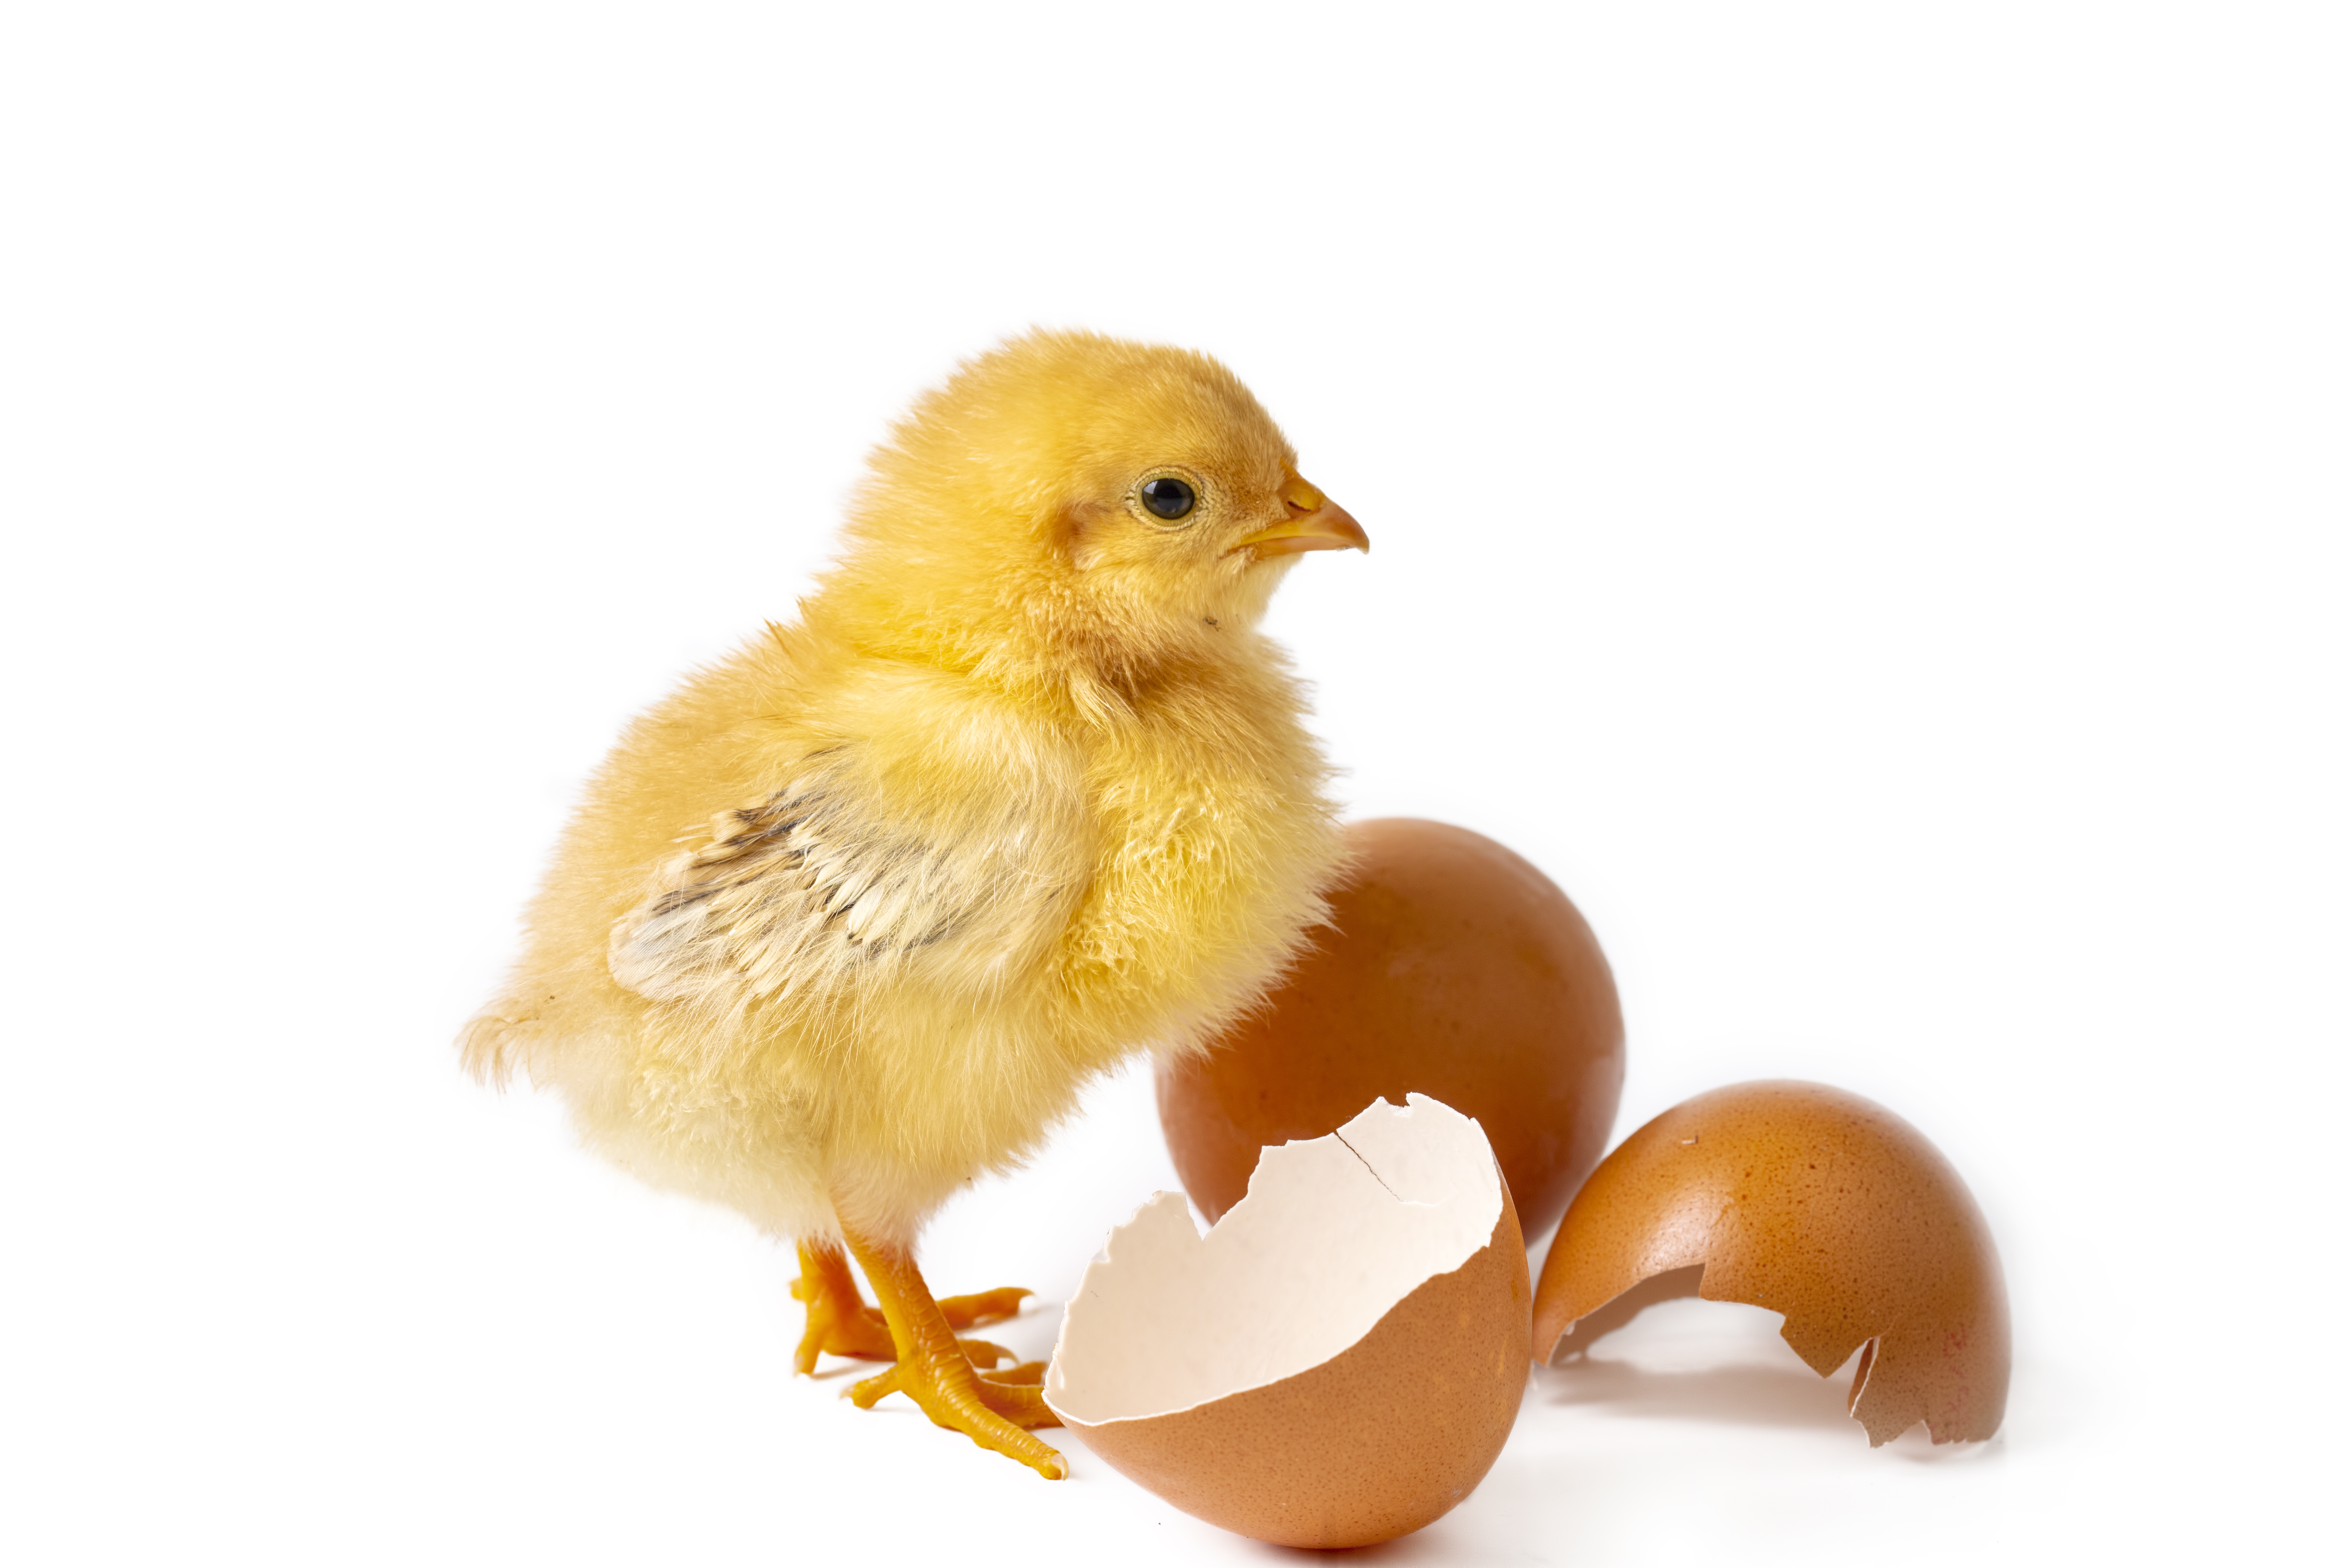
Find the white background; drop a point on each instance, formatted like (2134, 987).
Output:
(1859, 497)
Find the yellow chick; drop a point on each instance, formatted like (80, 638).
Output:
(854, 915)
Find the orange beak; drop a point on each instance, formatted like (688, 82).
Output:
(1313, 523)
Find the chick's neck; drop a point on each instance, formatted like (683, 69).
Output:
(1093, 662)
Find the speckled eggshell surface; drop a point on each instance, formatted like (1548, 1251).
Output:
(1336, 1362)
(1820, 1206)
(1450, 967)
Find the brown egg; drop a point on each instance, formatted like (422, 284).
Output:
(1336, 1362)
(1817, 1204)
(1451, 967)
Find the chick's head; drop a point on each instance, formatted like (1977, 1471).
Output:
(1077, 501)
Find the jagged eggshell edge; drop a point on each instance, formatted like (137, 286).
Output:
(1378, 1438)
(1815, 1203)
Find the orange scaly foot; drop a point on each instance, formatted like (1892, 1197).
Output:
(934, 1372)
(841, 1323)
(839, 1320)
(986, 1307)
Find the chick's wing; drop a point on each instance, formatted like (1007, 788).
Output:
(823, 884)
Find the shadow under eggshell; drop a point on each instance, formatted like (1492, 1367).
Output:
(1820, 1206)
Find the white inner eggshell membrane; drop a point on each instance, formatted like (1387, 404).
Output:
(1334, 1232)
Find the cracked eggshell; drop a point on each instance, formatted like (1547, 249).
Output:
(1336, 1361)
(1450, 967)
(1817, 1204)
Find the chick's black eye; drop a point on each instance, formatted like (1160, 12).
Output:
(1167, 498)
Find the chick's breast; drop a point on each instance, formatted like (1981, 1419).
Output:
(1217, 845)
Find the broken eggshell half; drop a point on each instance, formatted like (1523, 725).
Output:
(1336, 1361)
(1812, 1203)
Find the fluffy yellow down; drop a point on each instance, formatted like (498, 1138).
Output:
(853, 916)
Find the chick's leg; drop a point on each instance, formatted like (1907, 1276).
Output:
(934, 1372)
(839, 1320)
(841, 1323)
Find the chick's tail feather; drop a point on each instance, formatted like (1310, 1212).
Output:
(491, 1047)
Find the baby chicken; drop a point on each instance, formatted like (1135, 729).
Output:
(854, 915)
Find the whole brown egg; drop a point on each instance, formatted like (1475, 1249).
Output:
(1450, 968)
